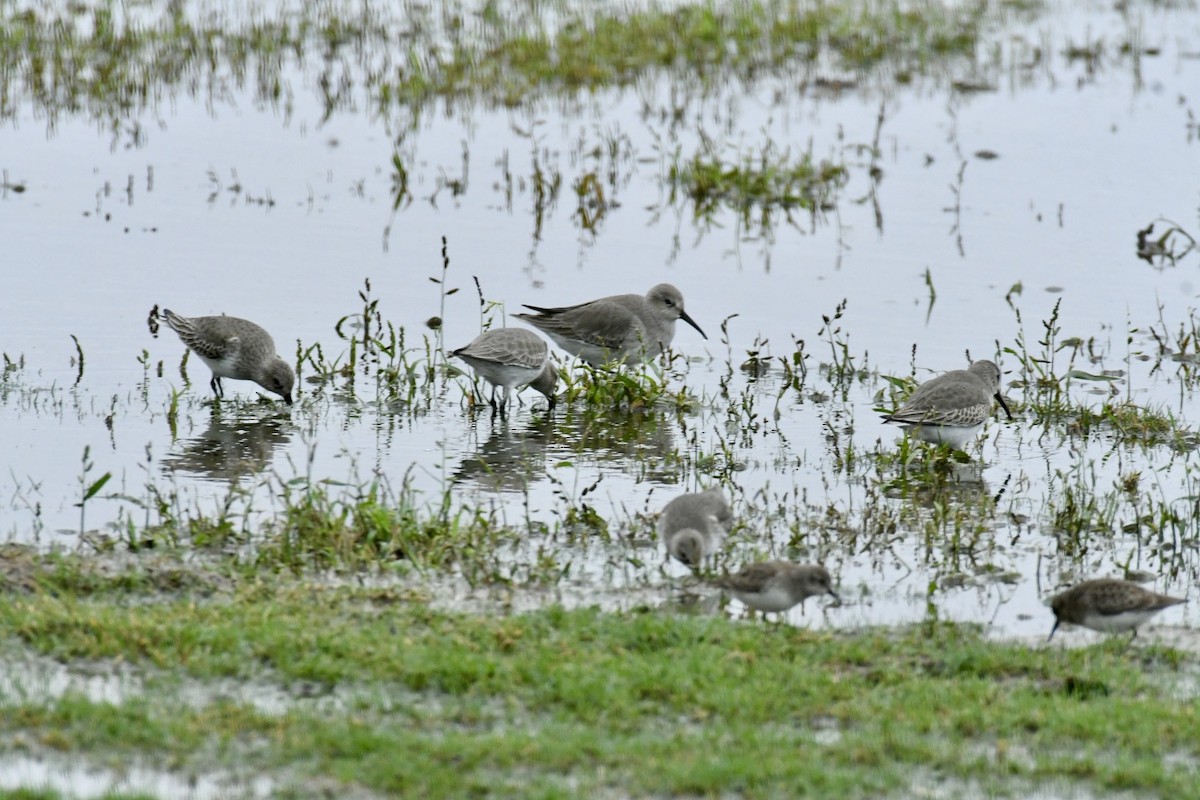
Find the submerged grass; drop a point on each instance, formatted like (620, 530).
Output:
(656, 430)
(1129, 422)
(500, 61)
(618, 387)
(111, 63)
(570, 703)
(118, 66)
(756, 187)
(564, 703)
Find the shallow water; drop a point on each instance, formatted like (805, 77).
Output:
(78, 777)
(226, 201)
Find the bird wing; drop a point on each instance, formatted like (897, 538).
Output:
(515, 351)
(600, 322)
(938, 392)
(940, 402)
(214, 345)
(1112, 600)
(751, 577)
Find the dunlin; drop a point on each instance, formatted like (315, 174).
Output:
(234, 348)
(694, 525)
(776, 586)
(1108, 605)
(511, 358)
(624, 326)
(951, 408)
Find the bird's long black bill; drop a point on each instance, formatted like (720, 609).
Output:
(1052, 630)
(1000, 399)
(683, 315)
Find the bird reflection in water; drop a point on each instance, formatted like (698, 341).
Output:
(232, 446)
(511, 458)
(515, 456)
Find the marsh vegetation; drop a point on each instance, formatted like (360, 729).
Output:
(386, 590)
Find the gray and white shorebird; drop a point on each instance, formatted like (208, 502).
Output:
(624, 326)
(776, 586)
(234, 348)
(511, 358)
(951, 408)
(694, 525)
(1108, 605)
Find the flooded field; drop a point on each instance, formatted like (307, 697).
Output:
(851, 200)
(988, 203)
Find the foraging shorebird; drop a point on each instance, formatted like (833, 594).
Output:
(693, 526)
(234, 348)
(1108, 605)
(951, 408)
(511, 358)
(776, 586)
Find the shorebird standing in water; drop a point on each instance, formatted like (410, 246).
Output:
(511, 358)
(951, 408)
(626, 327)
(234, 348)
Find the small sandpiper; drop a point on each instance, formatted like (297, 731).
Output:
(694, 525)
(511, 358)
(234, 348)
(776, 586)
(626, 327)
(1108, 605)
(951, 408)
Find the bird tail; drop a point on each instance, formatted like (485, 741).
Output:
(174, 321)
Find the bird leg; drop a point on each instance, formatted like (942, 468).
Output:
(215, 383)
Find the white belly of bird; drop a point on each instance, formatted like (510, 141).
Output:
(1117, 623)
(771, 599)
(953, 435)
(506, 375)
(223, 367)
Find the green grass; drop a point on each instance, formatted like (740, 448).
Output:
(507, 62)
(84, 58)
(617, 388)
(755, 186)
(561, 703)
(1134, 424)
